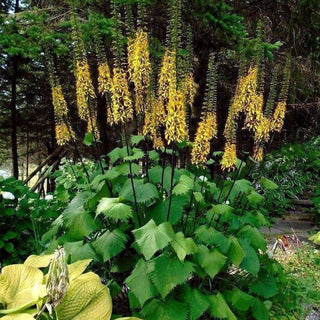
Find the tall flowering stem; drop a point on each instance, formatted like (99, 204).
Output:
(139, 68)
(207, 128)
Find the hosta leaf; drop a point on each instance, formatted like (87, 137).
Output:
(183, 246)
(259, 310)
(140, 284)
(168, 272)
(110, 244)
(211, 261)
(143, 191)
(86, 298)
(251, 261)
(80, 251)
(151, 238)
(254, 236)
(159, 211)
(236, 254)
(77, 268)
(184, 185)
(38, 261)
(114, 209)
(268, 184)
(239, 300)
(168, 310)
(219, 308)
(19, 285)
(265, 286)
(18, 316)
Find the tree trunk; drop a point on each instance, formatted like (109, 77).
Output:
(14, 144)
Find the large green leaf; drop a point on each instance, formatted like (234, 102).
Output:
(151, 238)
(136, 155)
(80, 251)
(265, 286)
(268, 184)
(236, 254)
(196, 301)
(86, 298)
(212, 261)
(213, 237)
(219, 308)
(254, 236)
(124, 169)
(184, 185)
(110, 244)
(219, 210)
(114, 209)
(183, 246)
(159, 211)
(243, 186)
(135, 139)
(168, 272)
(167, 310)
(259, 310)
(239, 300)
(155, 176)
(117, 154)
(143, 191)
(251, 261)
(140, 284)
(79, 222)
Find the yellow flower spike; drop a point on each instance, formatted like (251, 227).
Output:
(122, 110)
(189, 88)
(104, 78)
(139, 67)
(59, 103)
(206, 131)
(278, 116)
(63, 133)
(258, 152)
(167, 77)
(84, 88)
(176, 128)
(229, 157)
(262, 130)
(92, 127)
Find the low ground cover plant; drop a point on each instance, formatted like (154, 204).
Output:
(294, 168)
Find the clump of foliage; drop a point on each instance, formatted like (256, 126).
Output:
(295, 168)
(164, 237)
(23, 220)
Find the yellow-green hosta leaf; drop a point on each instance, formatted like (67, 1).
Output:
(18, 280)
(77, 268)
(86, 298)
(18, 316)
(38, 261)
